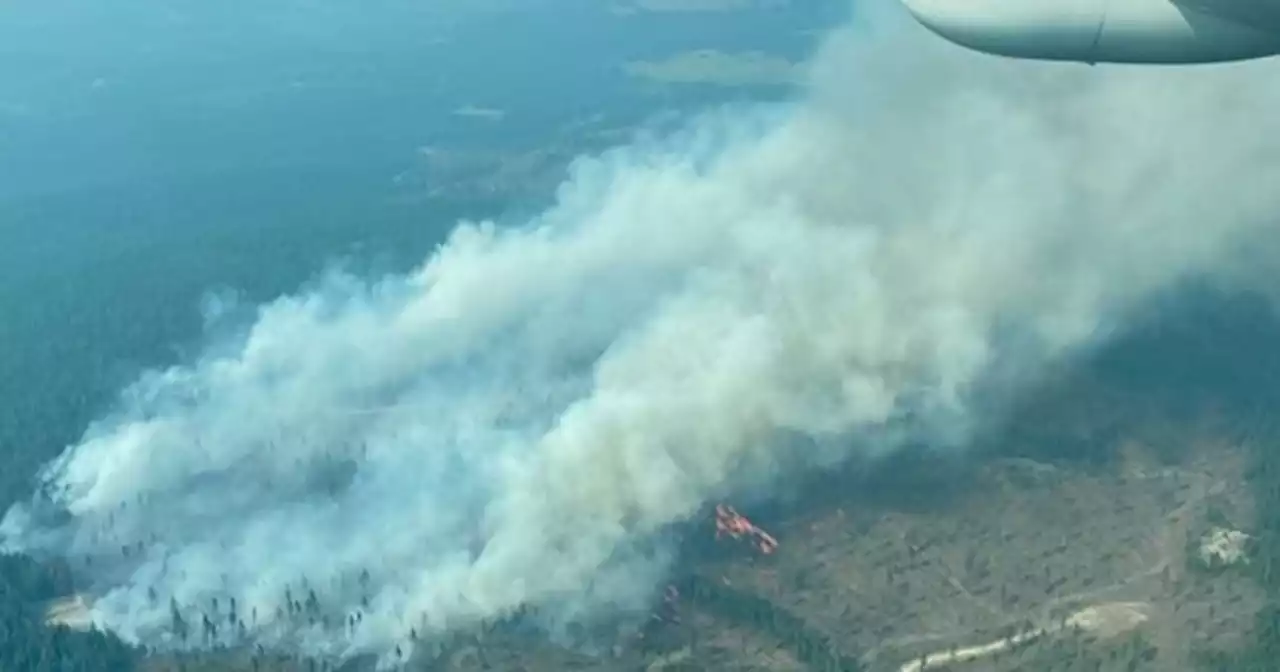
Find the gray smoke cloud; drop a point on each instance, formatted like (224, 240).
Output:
(523, 418)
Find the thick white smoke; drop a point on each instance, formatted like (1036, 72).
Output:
(554, 397)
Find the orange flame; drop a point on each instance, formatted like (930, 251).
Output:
(733, 524)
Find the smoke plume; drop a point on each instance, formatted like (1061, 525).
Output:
(522, 419)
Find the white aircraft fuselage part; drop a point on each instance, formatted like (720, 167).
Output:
(1108, 31)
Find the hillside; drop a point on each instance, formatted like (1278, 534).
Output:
(1109, 525)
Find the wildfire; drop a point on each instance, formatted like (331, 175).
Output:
(735, 525)
(729, 523)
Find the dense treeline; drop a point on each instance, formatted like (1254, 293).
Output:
(31, 434)
(1227, 351)
(26, 643)
(810, 646)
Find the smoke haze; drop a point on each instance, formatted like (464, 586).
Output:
(523, 418)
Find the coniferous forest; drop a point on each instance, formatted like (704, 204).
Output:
(1222, 348)
(26, 643)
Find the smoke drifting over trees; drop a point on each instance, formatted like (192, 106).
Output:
(698, 315)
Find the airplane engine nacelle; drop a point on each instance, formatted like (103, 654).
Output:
(1115, 31)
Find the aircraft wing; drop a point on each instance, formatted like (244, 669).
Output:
(1108, 31)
